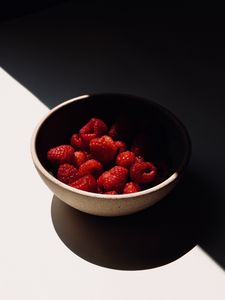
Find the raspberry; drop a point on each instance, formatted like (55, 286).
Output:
(131, 187)
(86, 183)
(137, 150)
(114, 130)
(80, 157)
(139, 158)
(113, 180)
(121, 146)
(95, 147)
(120, 129)
(92, 167)
(89, 155)
(139, 145)
(111, 193)
(125, 159)
(93, 129)
(61, 154)
(67, 173)
(100, 190)
(77, 142)
(103, 149)
(143, 172)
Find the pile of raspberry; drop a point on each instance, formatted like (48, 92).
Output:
(98, 161)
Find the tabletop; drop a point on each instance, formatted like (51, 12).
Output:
(50, 251)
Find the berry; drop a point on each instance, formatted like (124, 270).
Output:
(100, 189)
(139, 145)
(77, 142)
(67, 173)
(86, 183)
(131, 187)
(61, 154)
(93, 129)
(114, 130)
(143, 172)
(92, 167)
(113, 179)
(121, 146)
(80, 157)
(111, 193)
(89, 155)
(139, 158)
(125, 159)
(103, 149)
(121, 129)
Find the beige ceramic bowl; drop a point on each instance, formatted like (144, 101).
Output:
(66, 118)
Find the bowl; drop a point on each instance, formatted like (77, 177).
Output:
(65, 119)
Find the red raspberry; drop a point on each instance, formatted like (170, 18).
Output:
(125, 159)
(120, 129)
(139, 145)
(93, 129)
(86, 183)
(113, 180)
(77, 142)
(67, 173)
(131, 187)
(114, 130)
(103, 149)
(89, 155)
(111, 193)
(80, 157)
(61, 154)
(143, 172)
(121, 146)
(92, 167)
(100, 190)
(139, 158)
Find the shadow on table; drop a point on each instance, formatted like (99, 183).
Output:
(152, 238)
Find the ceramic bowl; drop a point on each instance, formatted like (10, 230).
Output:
(65, 119)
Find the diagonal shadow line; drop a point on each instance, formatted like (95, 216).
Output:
(43, 58)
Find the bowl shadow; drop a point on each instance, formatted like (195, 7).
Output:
(149, 239)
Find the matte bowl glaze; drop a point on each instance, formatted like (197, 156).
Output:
(65, 119)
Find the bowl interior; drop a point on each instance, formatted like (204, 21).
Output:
(168, 138)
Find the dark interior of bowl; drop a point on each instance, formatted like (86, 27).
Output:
(166, 137)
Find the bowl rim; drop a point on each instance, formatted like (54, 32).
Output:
(153, 189)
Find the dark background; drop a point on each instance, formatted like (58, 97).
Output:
(59, 50)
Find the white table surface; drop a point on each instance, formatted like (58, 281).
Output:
(35, 264)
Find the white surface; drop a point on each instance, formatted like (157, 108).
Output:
(35, 264)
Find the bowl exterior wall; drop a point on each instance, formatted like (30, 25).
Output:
(107, 207)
